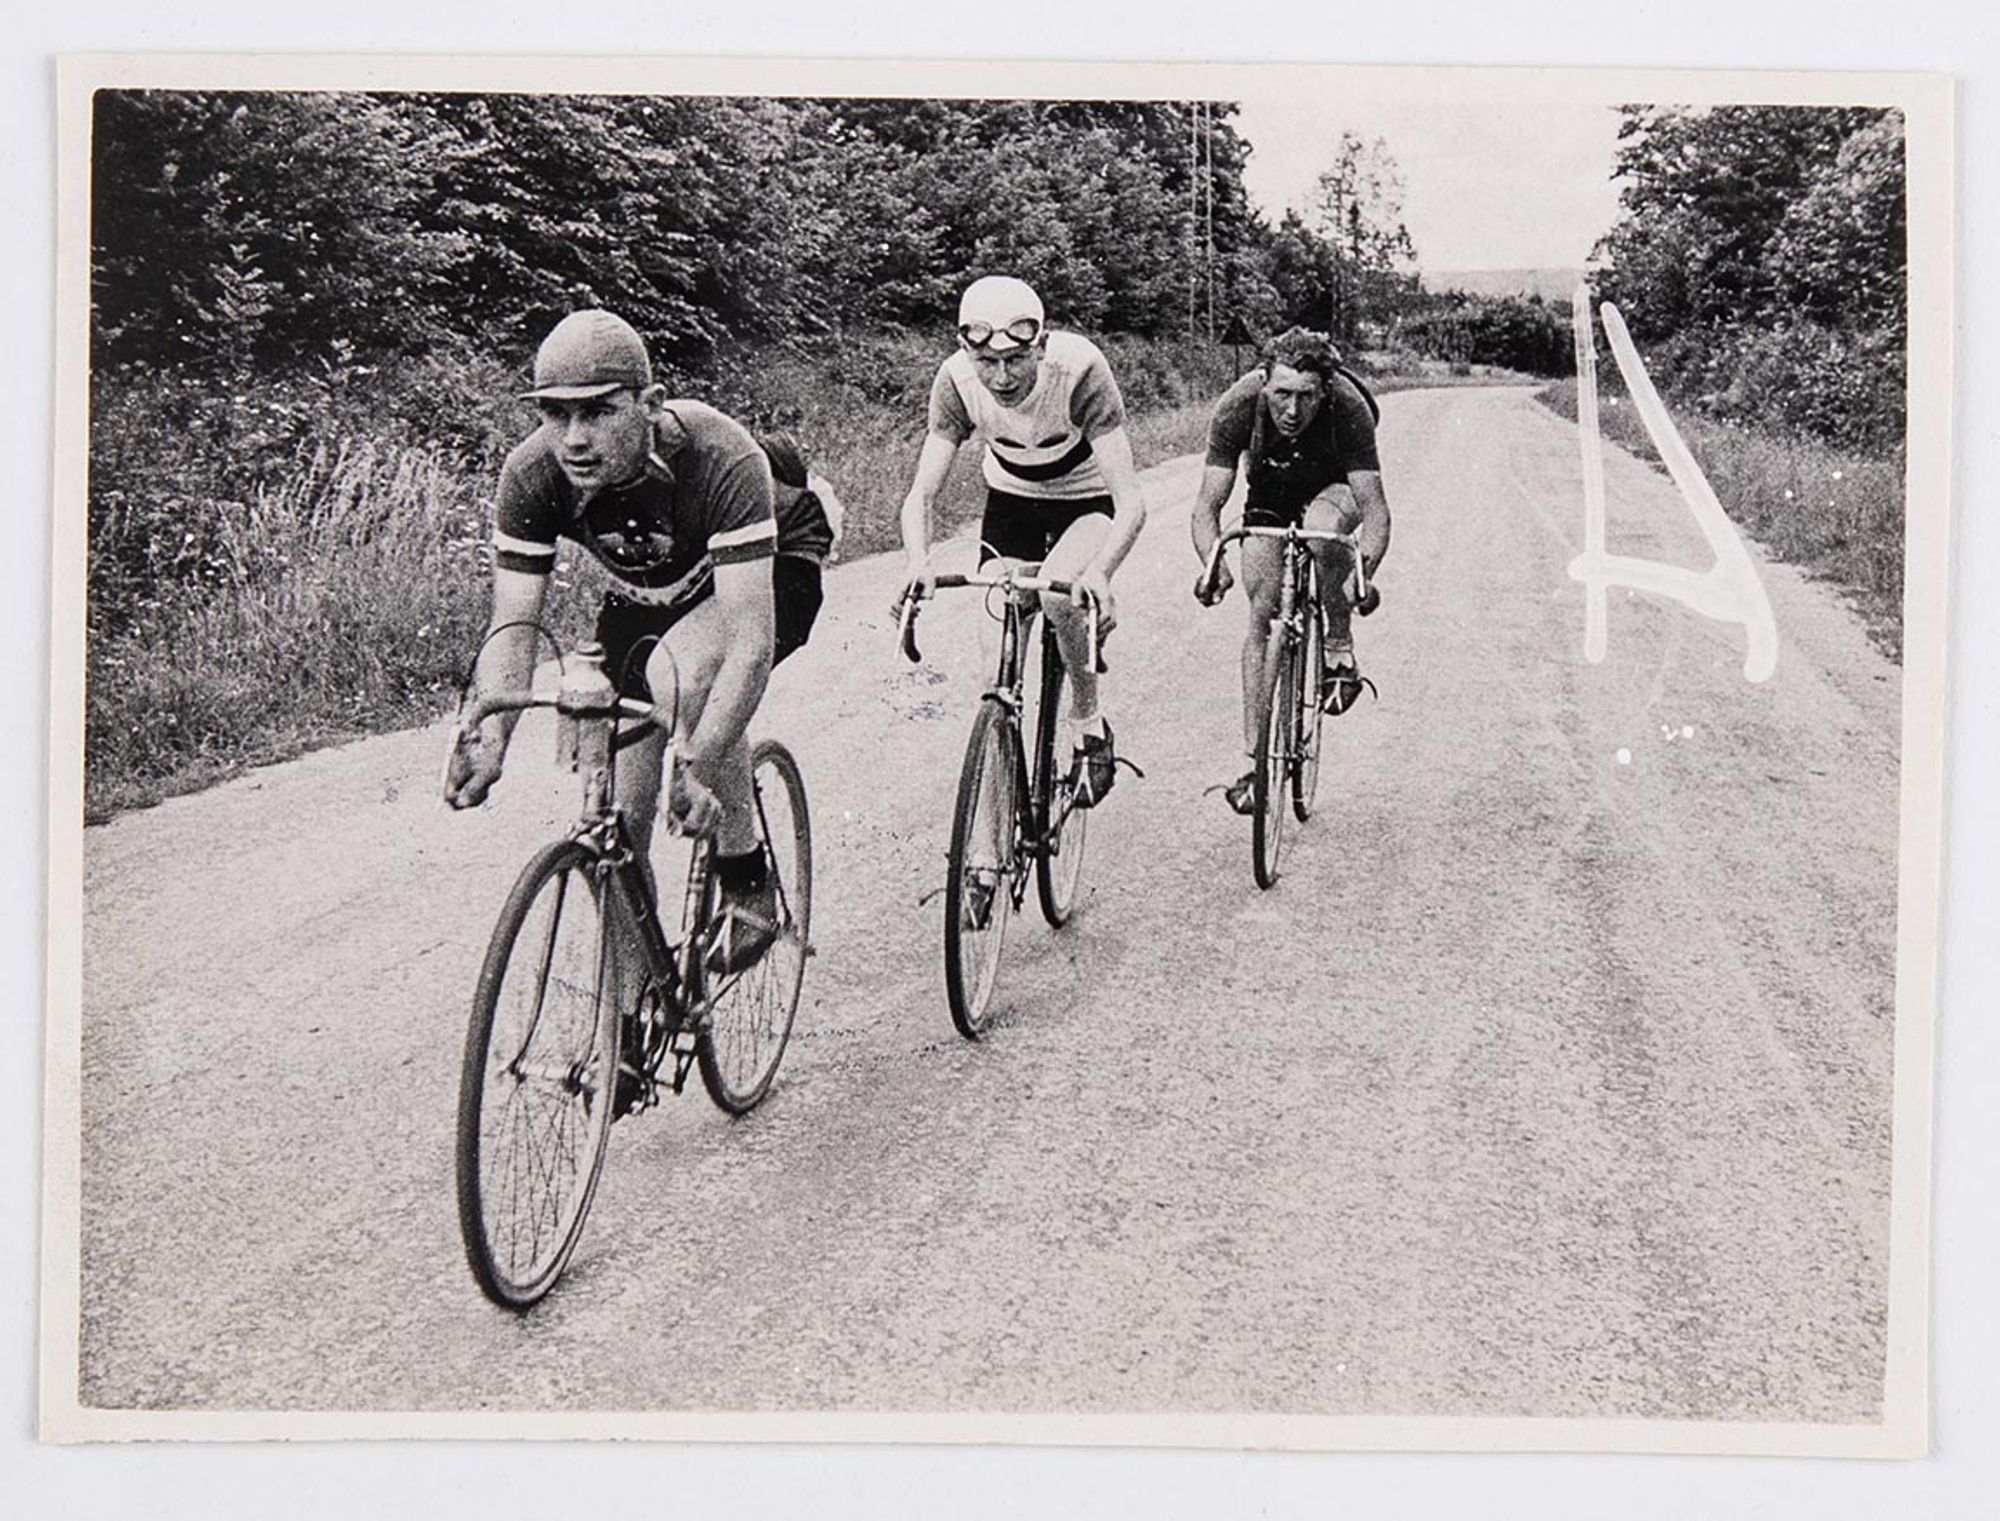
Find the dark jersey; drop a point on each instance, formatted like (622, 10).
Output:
(806, 526)
(704, 498)
(1286, 473)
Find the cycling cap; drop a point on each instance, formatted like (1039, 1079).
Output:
(589, 354)
(996, 312)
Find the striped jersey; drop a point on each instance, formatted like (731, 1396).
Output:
(1040, 448)
(704, 498)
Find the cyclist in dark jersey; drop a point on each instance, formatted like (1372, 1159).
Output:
(678, 503)
(1306, 437)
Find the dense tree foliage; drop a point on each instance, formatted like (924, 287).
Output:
(286, 230)
(1522, 333)
(233, 226)
(1760, 256)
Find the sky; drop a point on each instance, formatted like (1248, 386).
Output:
(1488, 184)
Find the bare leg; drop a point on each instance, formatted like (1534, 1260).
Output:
(1263, 559)
(685, 662)
(1335, 561)
(1077, 547)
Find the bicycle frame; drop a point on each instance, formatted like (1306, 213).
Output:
(1009, 677)
(590, 711)
(1285, 740)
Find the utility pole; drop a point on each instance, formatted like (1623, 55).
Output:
(1208, 210)
(1194, 208)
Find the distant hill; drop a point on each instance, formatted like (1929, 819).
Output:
(1549, 284)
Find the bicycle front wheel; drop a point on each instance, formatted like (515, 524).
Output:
(1273, 759)
(982, 870)
(1309, 716)
(541, 1065)
(750, 1014)
(1061, 824)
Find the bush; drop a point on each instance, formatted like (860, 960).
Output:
(1800, 379)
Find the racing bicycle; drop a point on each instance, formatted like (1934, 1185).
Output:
(585, 1010)
(1288, 760)
(1010, 819)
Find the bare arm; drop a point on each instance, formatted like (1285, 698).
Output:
(1373, 532)
(506, 662)
(1128, 500)
(507, 659)
(933, 466)
(1205, 523)
(743, 594)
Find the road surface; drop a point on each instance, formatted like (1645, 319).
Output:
(1546, 1082)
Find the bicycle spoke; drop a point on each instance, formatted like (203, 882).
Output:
(748, 1013)
(534, 1104)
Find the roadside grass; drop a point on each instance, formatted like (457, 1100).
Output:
(341, 601)
(1837, 515)
(283, 562)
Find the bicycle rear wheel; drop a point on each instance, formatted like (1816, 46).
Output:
(1309, 715)
(750, 1014)
(1060, 823)
(541, 1065)
(983, 868)
(1273, 758)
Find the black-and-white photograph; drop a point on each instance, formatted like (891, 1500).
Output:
(1252, 760)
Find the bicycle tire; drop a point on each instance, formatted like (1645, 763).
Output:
(527, 1174)
(1059, 862)
(749, 1016)
(1310, 657)
(1268, 825)
(985, 820)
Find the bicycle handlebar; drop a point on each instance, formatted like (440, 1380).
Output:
(488, 704)
(1367, 598)
(906, 622)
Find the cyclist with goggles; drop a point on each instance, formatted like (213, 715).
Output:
(1061, 487)
(1305, 433)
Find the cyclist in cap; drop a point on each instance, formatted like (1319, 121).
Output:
(676, 501)
(1061, 487)
(1306, 435)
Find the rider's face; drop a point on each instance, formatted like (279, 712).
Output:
(600, 441)
(1011, 376)
(1293, 397)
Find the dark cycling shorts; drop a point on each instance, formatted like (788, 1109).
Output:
(628, 630)
(1026, 528)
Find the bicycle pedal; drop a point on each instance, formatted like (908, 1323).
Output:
(683, 1064)
(633, 1092)
(682, 1042)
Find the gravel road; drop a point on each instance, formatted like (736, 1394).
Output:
(1545, 1083)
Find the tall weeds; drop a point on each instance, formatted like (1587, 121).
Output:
(343, 599)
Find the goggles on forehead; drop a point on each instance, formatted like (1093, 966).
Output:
(980, 335)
